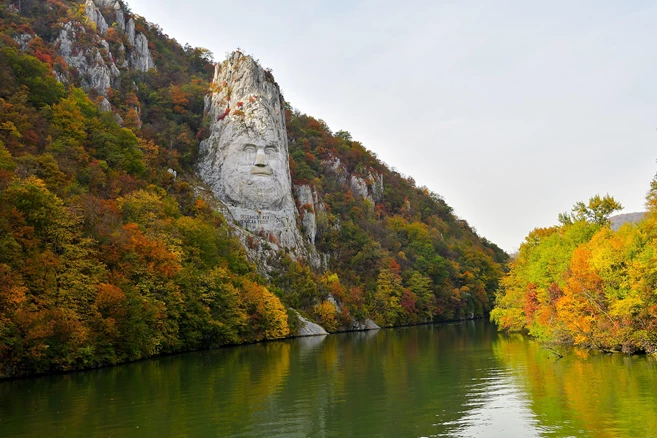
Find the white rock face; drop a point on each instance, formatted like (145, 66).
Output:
(334, 165)
(141, 58)
(100, 75)
(333, 301)
(376, 184)
(122, 56)
(106, 3)
(65, 42)
(368, 324)
(245, 159)
(105, 106)
(120, 16)
(130, 31)
(311, 210)
(359, 187)
(309, 328)
(116, 7)
(94, 15)
(96, 64)
(23, 39)
(306, 205)
(96, 72)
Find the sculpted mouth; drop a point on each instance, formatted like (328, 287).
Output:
(261, 170)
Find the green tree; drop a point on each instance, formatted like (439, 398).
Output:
(386, 302)
(597, 211)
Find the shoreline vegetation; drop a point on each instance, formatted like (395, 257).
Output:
(582, 284)
(237, 345)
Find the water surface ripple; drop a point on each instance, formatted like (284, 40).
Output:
(442, 380)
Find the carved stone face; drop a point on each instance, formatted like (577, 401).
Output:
(245, 158)
(255, 170)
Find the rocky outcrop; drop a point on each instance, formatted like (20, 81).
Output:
(95, 64)
(335, 166)
(106, 3)
(311, 210)
(358, 187)
(103, 11)
(368, 324)
(376, 186)
(120, 16)
(96, 72)
(306, 205)
(369, 187)
(141, 58)
(23, 39)
(95, 16)
(104, 105)
(309, 328)
(130, 31)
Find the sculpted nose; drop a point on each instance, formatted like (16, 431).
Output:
(260, 158)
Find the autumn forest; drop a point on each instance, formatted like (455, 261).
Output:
(107, 257)
(111, 252)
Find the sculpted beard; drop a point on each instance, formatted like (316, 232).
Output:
(254, 191)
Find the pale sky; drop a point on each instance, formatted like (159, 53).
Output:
(511, 110)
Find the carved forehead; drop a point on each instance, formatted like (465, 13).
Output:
(239, 134)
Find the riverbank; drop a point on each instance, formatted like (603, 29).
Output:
(314, 331)
(444, 379)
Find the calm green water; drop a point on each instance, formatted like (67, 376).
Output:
(443, 380)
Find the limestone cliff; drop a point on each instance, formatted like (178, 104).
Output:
(88, 54)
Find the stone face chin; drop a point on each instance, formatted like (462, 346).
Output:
(245, 159)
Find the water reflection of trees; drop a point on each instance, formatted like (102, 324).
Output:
(592, 394)
(415, 381)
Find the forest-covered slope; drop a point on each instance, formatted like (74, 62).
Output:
(109, 254)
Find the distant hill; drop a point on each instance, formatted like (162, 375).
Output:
(620, 219)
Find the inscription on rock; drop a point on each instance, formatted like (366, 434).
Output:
(249, 220)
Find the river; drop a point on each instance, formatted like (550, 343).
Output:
(461, 379)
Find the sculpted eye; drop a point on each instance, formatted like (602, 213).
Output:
(249, 148)
(271, 149)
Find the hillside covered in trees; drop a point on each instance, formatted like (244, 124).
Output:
(107, 252)
(582, 283)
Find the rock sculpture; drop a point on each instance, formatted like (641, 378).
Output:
(245, 159)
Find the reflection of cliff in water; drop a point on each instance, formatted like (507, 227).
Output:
(310, 344)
